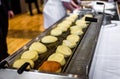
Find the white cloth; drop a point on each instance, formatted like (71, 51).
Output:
(45, 1)
(66, 0)
(108, 5)
(79, 1)
(99, 8)
(106, 61)
(110, 0)
(53, 11)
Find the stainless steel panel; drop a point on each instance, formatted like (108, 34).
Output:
(12, 74)
(81, 61)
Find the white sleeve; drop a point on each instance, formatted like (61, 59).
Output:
(79, 1)
(66, 0)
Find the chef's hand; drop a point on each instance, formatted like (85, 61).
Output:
(10, 14)
(78, 8)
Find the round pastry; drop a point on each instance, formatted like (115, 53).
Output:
(79, 22)
(69, 44)
(58, 58)
(73, 38)
(68, 23)
(70, 19)
(49, 39)
(75, 28)
(18, 63)
(50, 66)
(39, 47)
(88, 15)
(62, 27)
(33, 55)
(76, 32)
(56, 32)
(66, 51)
(82, 25)
(74, 16)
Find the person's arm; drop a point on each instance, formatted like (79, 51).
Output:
(74, 4)
(68, 6)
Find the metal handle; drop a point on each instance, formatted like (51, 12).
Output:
(90, 19)
(23, 68)
(3, 63)
(100, 3)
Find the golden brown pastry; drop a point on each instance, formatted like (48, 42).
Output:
(50, 66)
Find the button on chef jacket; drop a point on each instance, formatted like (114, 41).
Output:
(53, 12)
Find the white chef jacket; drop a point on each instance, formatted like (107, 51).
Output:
(53, 11)
(66, 0)
(107, 0)
(79, 1)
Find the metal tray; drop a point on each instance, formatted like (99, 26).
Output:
(43, 57)
(81, 61)
(51, 49)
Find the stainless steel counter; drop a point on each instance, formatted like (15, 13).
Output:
(12, 74)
